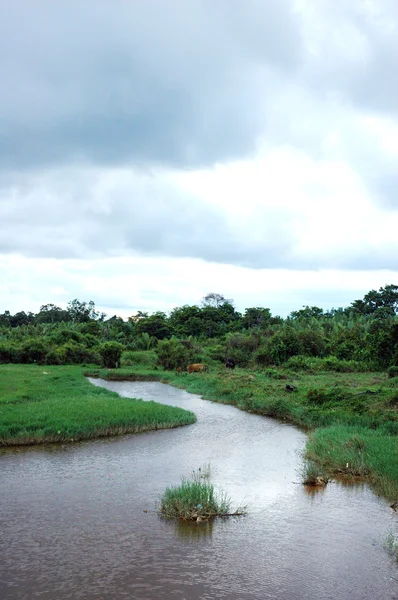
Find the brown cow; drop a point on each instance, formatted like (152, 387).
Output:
(196, 368)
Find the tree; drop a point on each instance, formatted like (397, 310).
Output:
(307, 312)
(386, 299)
(49, 313)
(186, 321)
(215, 300)
(81, 312)
(155, 325)
(111, 353)
(256, 317)
(22, 318)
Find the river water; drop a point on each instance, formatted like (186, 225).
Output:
(74, 525)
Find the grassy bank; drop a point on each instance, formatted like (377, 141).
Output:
(351, 418)
(57, 404)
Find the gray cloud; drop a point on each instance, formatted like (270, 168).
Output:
(70, 214)
(86, 214)
(152, 83)
(183, 84)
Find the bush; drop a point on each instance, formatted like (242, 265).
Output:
(111, 353)
(33, 351)
(62, 336)
(241, 347)
(282, 345)
(55, 356)
(172, 354)
(138, 357)
(392, 371)
(304, 363)
(320, 396)
(78, 353)
(9, 353)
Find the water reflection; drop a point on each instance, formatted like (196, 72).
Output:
(193, 530)
(73, 525)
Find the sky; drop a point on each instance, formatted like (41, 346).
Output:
(152, 152)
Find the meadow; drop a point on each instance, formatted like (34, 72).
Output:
(57, 404)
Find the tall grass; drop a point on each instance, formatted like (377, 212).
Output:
(195, 499)
(357, 452)
(57, 404)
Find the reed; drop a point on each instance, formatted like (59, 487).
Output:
(195, 499)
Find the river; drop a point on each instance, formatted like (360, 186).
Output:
(79, 521)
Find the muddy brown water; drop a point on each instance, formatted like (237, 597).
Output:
(74, 526)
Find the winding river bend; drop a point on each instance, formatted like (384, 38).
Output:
(74, 526)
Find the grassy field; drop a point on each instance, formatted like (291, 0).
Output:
(351, 418)
(57, 404)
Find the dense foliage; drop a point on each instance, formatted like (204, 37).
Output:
(365, 332)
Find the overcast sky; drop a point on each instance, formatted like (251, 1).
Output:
(154, 151)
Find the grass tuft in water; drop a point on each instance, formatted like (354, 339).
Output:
(392, 544)
(313, 475)
(195, 499)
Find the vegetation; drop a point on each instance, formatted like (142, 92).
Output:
(58, 404)
(334, 373)
(392, 544)
(195, 499)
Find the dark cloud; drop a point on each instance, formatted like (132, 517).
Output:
(168, 82)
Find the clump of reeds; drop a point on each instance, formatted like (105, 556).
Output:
(313, 475)
(196, 499)
(392, 544)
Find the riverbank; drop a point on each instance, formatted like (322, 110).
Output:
(351, 418)
(57, 404)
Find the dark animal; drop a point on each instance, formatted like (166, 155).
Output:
(230, 363)
(196, 368)
(290, 388)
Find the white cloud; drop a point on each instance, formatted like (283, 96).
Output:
(213, 148)
(123, 286)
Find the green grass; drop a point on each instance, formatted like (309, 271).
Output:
(195, 499)
(57, 404)
(350, 452)
(392, 544)
(351, 418)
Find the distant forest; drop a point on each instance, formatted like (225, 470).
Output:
(362, 336)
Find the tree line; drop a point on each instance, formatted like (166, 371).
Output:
(365, 333)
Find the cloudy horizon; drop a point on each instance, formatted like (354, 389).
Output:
(153, 152)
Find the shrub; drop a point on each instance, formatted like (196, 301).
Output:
(78, 353)
(304, 363)
(110, 353)
(240, 347)
(172, 354)
(62, 336)
(282, 345)
(8, 352)
(138, 357)
(392, 371)
(33, 351)
(320, 396)
(56, 356)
